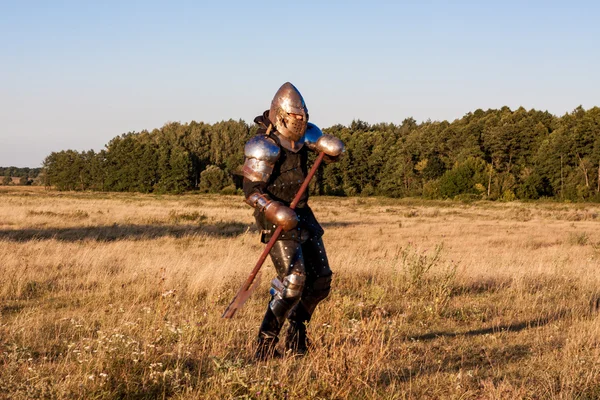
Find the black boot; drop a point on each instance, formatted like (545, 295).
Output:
(267, 337)
(265, 350)
(296, 341)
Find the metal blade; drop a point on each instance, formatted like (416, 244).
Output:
(241, 298)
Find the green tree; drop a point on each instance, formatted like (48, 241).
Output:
(463, 178)
(498, 154)
(213, 179)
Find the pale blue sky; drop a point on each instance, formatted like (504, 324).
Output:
(74, 74)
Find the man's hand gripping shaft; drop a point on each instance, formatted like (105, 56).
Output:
(275, 212)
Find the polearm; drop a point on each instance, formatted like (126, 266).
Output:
(244, 291)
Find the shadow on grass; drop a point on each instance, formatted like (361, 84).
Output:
(109, 233)
(514, 327)
(470, 359)
(11, 309)
(340, 224)
(125, 232)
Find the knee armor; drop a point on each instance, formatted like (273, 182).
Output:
(286, 295)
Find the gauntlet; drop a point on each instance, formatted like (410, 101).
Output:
(275, 212)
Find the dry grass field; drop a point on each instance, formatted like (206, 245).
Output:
(121, 296)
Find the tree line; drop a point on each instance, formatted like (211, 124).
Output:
(498, 154)
(27, 176)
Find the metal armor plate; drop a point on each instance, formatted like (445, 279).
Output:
(286, 101)
(261, 154)
(313, 133)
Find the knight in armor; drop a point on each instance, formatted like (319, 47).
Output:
(274, 169)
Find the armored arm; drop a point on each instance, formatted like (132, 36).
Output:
(318, 141)
(261, 155)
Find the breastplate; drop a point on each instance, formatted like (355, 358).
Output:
(288, 175)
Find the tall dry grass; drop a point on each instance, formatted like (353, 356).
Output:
(120, 296)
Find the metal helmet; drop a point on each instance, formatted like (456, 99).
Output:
(286, 101)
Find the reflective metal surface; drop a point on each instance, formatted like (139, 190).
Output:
(258, 200)
(330, 145)
(286, 101)
(257, 170)
(261, 155)
(284, 300)
(281, 215)
(262, 148)
(290, 145)
(293, 285)
(313, 133)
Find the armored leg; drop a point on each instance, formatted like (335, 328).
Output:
(267, 337)
(316, 289)
(289, 263)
